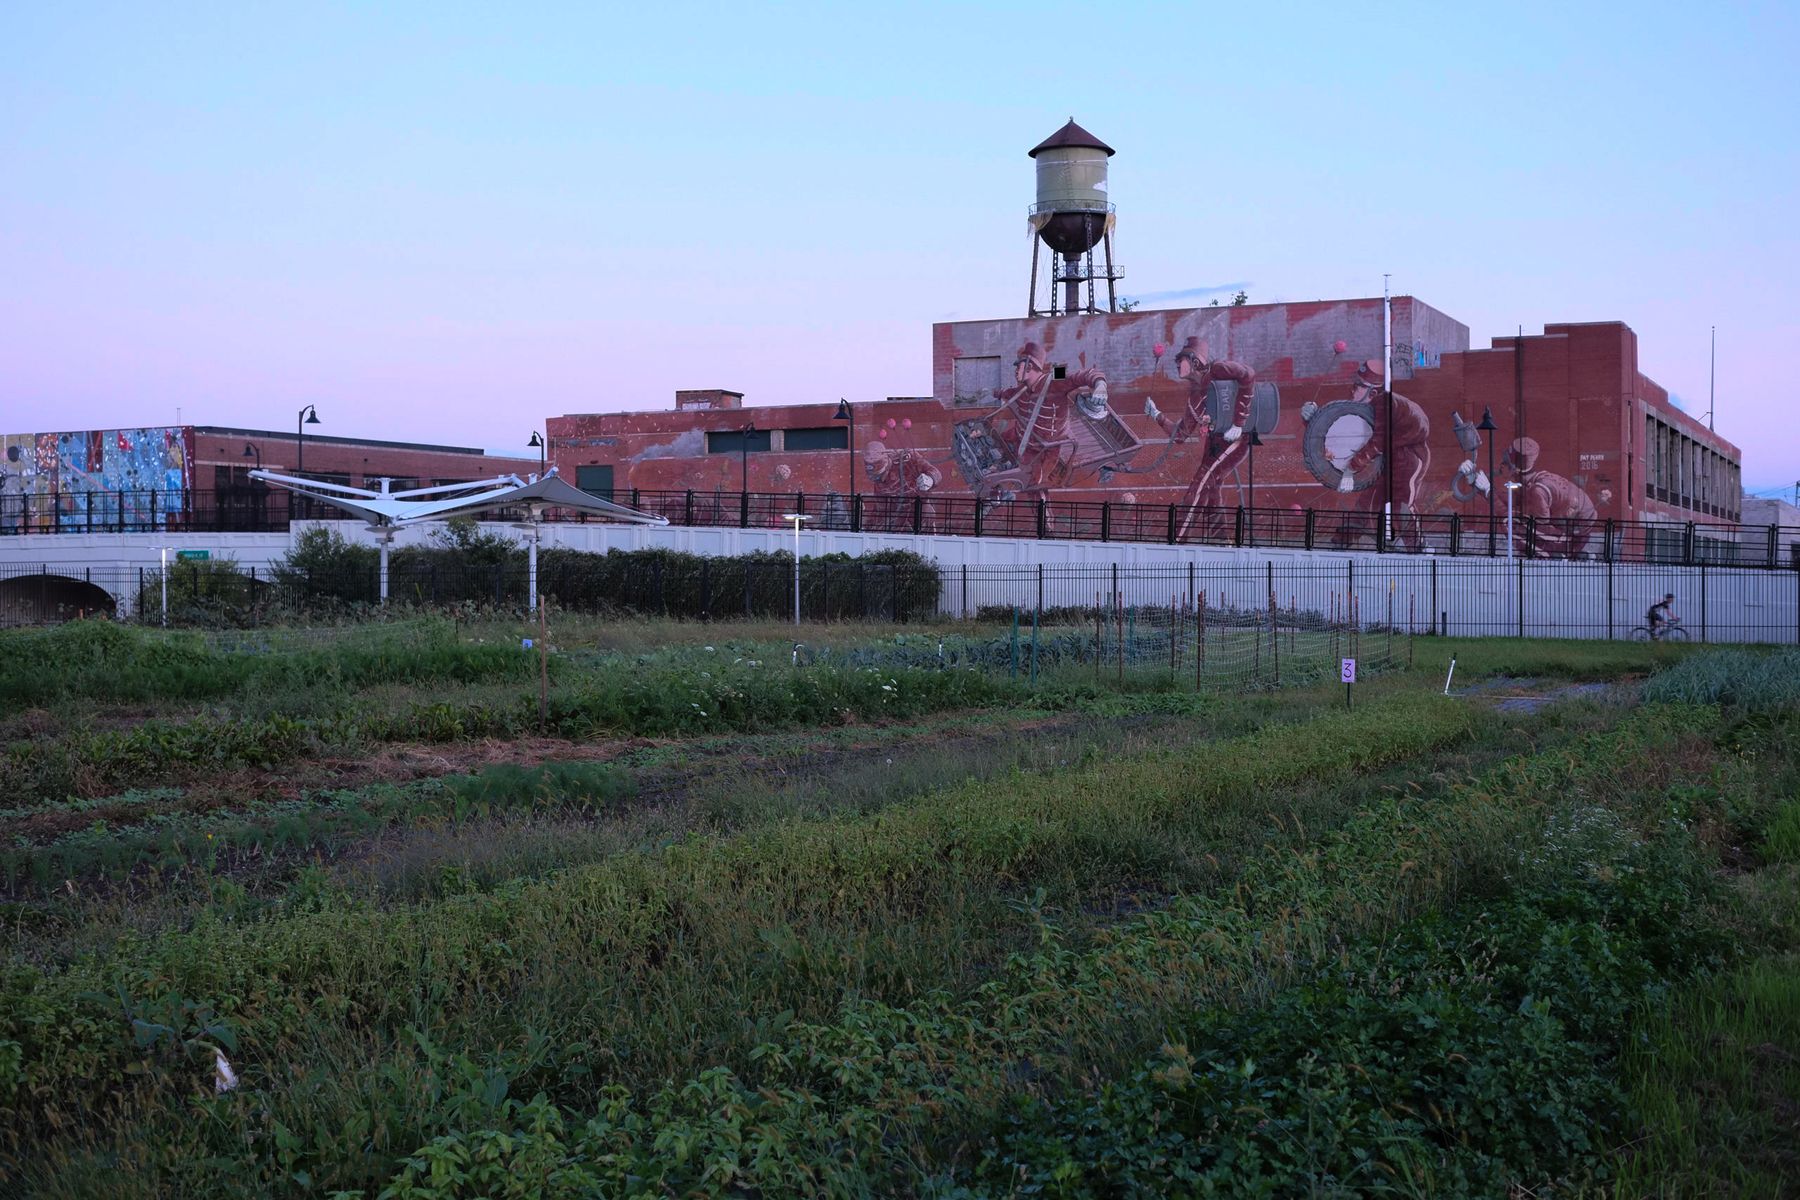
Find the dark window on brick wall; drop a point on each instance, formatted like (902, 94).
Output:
(595, 481)
(732, 441)
(829, 437)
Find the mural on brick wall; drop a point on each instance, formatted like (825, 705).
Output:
(1347, 450)
(1188, 415)
(49, 478)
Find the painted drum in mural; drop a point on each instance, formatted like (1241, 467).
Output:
(1265, 404)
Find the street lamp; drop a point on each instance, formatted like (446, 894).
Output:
(254, 451)
(308, 416)
(1387, 469)
(796, 518)
(1255, 440)
(1512, 485)
(537, 443)
(1488, 427)
(849, 419)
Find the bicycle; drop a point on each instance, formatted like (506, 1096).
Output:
(1670, 631)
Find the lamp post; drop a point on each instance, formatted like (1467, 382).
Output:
(1387, 470)
(1488, 427)
(252, 451)
(1255, 440)
(796, 518)
(849, 419)
(1512, 485)
(537, 443)
(308, 416)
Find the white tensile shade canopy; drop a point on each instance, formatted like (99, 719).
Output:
(388, 512)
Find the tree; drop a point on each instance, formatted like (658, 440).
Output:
(1241, 299)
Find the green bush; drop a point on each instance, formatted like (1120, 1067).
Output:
(212, 591)
(323, 571)
(465, 565)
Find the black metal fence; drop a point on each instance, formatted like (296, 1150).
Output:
(1471, 597)
(246, 510)
(1462, 597)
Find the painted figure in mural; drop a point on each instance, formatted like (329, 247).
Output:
(898, 476)
(1411, 434)
(1223, 449)
(1564, 514)
(1044, 430)
(13, 466)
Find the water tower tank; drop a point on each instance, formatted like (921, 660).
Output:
(1071, 210)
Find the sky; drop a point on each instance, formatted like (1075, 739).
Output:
(446, 222)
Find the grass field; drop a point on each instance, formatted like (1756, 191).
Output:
(889, 920)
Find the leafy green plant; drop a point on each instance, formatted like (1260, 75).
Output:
(1746, 679)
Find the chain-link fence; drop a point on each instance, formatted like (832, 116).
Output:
(1466, 597)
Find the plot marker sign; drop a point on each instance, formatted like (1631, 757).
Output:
(1347, 672)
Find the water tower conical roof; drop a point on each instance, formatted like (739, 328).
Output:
(1071, 135)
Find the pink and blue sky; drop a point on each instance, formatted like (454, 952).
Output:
(446, 222)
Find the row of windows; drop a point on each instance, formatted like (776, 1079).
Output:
(1687, 474)
(758, 441)
(233, 478)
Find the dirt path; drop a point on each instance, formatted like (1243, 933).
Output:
(1526, 696)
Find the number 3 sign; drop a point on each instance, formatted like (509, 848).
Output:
(1347, 670)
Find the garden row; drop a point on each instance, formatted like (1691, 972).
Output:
(161, 841)
(658, 950)
(1434, 1000)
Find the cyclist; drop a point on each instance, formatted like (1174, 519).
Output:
(1659, 616)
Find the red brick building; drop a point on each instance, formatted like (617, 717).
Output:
(1147, 408)
(219, 459)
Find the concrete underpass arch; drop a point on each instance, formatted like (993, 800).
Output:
(44, 597)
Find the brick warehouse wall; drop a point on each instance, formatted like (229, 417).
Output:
(1574, 389)
(362, 460)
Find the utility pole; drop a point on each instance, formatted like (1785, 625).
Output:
(1387, 388)
(1712, 373)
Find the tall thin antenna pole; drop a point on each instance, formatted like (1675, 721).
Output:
(1519, 384)
(1387, 335)
(1387, 389)
(1712, 372)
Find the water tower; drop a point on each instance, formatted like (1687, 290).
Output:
(1071, 217)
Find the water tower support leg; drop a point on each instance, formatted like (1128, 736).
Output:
(1112, 287)
(1031, 300)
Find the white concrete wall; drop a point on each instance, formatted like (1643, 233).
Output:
(1479, 596)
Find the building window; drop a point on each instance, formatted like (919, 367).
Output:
(736, 441)
(595, 481)
(828, 437)
(975, 379)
